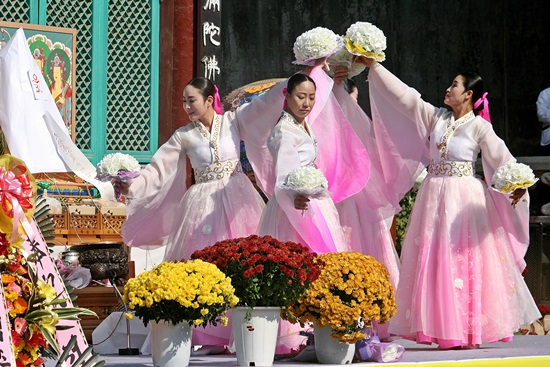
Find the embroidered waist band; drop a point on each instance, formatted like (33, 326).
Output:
(451, 168)
(217, 171)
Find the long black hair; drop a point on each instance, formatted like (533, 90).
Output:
(205, 86)
(473, 82)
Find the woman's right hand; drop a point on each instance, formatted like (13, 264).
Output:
(340, 73)
(367, 61)
(123, 186)
(300, 202)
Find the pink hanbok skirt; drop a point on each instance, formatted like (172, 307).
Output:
(459, 283)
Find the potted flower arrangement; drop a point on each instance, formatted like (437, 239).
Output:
(33, 313)
(33, 307)
(173, 296)
(267, 275)
(352, 291)
(263, 270)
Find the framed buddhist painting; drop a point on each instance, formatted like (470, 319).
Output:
(53, 49)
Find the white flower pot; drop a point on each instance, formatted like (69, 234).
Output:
(256, 335)
(170, 345)
(330, 350)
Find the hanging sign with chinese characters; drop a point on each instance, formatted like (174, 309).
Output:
(209, 41)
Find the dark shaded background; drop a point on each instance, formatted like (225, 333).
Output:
(429, 42)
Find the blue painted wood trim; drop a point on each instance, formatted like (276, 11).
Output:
(100, 24)
(155, 82)
(37, 11)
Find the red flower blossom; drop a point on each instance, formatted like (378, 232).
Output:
(16, 338)
(263, 270)
(37, 339)
(248, 272)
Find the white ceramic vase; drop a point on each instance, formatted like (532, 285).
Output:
(255, 333)
(330, 350)
(170, 345)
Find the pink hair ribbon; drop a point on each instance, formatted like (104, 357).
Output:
(217, 102)
(485, 111)
(285, 104)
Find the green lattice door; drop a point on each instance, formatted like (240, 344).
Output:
(116, 69)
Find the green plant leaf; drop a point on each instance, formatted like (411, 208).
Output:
(53, 346)
(66, 350)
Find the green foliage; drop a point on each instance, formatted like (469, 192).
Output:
(3, 143)
(44, 222)
(402, 218)
(87, 359)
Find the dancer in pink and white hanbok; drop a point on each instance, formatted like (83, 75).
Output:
(462, 258)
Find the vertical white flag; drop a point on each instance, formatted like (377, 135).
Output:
(43, 143)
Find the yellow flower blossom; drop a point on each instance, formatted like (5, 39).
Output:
(45, 290)
(224, 320)
(351, 288)
(193, 291)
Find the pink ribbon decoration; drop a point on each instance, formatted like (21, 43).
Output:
(15, 191)
(485, 111)
(217, 102)
(285, 104)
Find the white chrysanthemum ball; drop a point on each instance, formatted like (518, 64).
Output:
(513, 176)
(112, 164)
(366, 39)
(306, 177)
(315, 44)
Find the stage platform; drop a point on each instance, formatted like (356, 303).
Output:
(523, 351)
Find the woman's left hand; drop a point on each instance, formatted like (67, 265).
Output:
(300, 202)
(516, 196)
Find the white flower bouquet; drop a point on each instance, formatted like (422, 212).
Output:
(308, 181)
(365, 39)
(344, 58)
(315, 44)
(118, 166)
(512, 176)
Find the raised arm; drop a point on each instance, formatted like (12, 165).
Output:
(386, 88)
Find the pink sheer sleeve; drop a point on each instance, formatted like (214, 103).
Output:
(515, 221)
(402, 123)
(255, 121)
(379, 193)
(342, 156)
(155, 196)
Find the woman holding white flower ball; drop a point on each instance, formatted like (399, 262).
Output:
(302, 138)
(462, 257)
(311, 135)
(222, 203)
